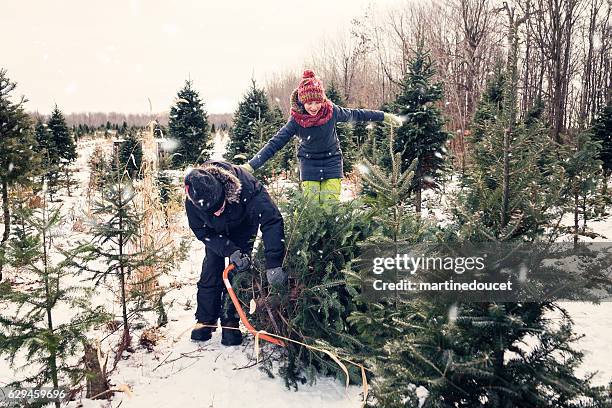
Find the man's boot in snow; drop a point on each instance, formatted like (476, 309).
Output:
(202, 331)
(231, 337)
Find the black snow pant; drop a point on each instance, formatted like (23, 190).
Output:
(213, 299)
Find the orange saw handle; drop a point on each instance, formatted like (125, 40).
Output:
(243, 317)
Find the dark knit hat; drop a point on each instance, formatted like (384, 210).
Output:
(310, 88)
(204, 190)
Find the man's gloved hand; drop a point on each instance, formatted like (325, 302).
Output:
(247, 167)
(241, 261)
(392, 120)
(277, 276)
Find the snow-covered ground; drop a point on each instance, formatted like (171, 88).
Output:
(182, 373)
(594, 321)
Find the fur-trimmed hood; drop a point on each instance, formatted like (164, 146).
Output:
(295, 103)
(231, 183)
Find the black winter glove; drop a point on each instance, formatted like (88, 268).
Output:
(241, 261)
(277, 276)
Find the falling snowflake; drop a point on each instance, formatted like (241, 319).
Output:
(522, 273)
(363, 168)
(453, 312)
(127, 193)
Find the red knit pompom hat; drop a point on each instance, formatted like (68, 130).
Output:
(310, 88)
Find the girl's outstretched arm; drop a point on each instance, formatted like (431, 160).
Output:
(357, 115)
(277, 142)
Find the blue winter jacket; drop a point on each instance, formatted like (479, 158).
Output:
(319, 150)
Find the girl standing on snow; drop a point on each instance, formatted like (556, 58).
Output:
(313, 119)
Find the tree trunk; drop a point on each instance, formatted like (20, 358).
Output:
(506, 180)
(125, 343)
(7, 221)
(67, 172)
(97, 382)
(417, 192)
(48, 308)
(510, 101)
(6, 212)
(584, 213)
(576, 210)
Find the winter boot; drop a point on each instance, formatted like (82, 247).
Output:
(230, 337)
(202, 331)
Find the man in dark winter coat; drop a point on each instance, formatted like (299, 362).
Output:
(225, 206)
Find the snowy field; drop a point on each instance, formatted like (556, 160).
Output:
(182, 373)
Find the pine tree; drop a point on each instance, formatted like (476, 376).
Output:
(395, 226)
(164, 183)
(130, 155)
(251, 125)
(333, 94)
(421, 136)
(319, 299)
(100, 173)
(343, 130)
(62, 139)
(536, 186)
(49, 156)
(602, 132)
(285, 160)
(263, 130)
(392, 190)
(377, 148)
(19, 160)
(112, 236)
(188, 125)
(360, 135)
(49, 344)
(159, 130)
(65, 151)
(117, 234)
(583, 171)
(378, 151)
(123, 130)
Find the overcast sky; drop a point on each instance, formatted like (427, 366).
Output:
(113, 55)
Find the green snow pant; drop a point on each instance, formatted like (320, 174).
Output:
(322, 191)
